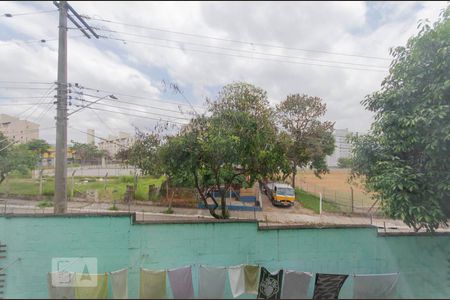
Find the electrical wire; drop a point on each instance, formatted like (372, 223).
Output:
(138, 116)
(234, 41)
(241, 50)
(136, 97)
(128, 109)
(130, 103)
(240, 56)
(10, 15)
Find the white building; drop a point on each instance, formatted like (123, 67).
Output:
(90, 136)
(21, 131)
(343, 147)
(115, 143)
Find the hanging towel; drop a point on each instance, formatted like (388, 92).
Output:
(270, 284)
(377, 286)
(152, 284)
(328, 286)
(296, 284)
(62, 286)
(251, 276)
(181, 283)
(91, 286)
(119, 282)
(211, 282)
(237, 282)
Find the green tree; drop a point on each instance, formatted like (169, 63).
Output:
(308, 140)
(87, 152)
(235, 144)
(38, 146)
(15, 158)
(405, 157)
(144, 153)
(344, 162)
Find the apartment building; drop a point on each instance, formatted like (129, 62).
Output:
(343, 147)
(115, 143)
(21, 131)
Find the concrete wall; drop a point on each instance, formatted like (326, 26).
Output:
(118, 243)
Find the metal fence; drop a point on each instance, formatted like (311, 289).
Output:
(342, 201)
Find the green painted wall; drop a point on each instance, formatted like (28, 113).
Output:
(117, 243)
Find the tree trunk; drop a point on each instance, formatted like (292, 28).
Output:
(171, 199)
(202, 196)
(294, 172)
(2, 178)
(223, 204)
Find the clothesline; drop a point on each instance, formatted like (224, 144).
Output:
(242, 278)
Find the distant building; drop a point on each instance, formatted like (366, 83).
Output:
(91, 136)
(48, 158)
(21, 131)
(115, 143)
(343, 147)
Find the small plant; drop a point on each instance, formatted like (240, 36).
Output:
(45, 203)
(168, 211)
(114, 207)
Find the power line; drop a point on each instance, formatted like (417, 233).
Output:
(134, 96)
(234, 41)
(132, 115)
(103, 122)
(242, 50)
(22, 88)
(242, 56)
(46, 94)
(26, 82)
(10, 15)
(15, 104)
(27, 97)
(6, 43)
(128, 109)
(131, 103)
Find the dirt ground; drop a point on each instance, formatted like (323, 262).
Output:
(334, 185)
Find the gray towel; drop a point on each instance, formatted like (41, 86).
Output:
(296, 284)
(119, 284)
(181, 283)
(211, 282)
(62, 286)
(376, 286)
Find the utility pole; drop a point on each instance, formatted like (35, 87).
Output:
(60, 201)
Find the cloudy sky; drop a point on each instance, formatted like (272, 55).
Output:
(338, 51)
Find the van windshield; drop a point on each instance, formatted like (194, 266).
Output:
(285, 192)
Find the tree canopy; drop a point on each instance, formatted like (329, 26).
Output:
(308, 139)
(405, 157)
(15, 157)
(237, 141)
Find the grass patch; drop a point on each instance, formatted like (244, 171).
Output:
(112, 189)
(313, 202)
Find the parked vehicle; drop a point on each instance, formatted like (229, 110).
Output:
(280, 194)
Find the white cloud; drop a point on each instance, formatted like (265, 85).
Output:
(138, 69)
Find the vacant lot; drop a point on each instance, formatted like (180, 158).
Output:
(335, 187)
